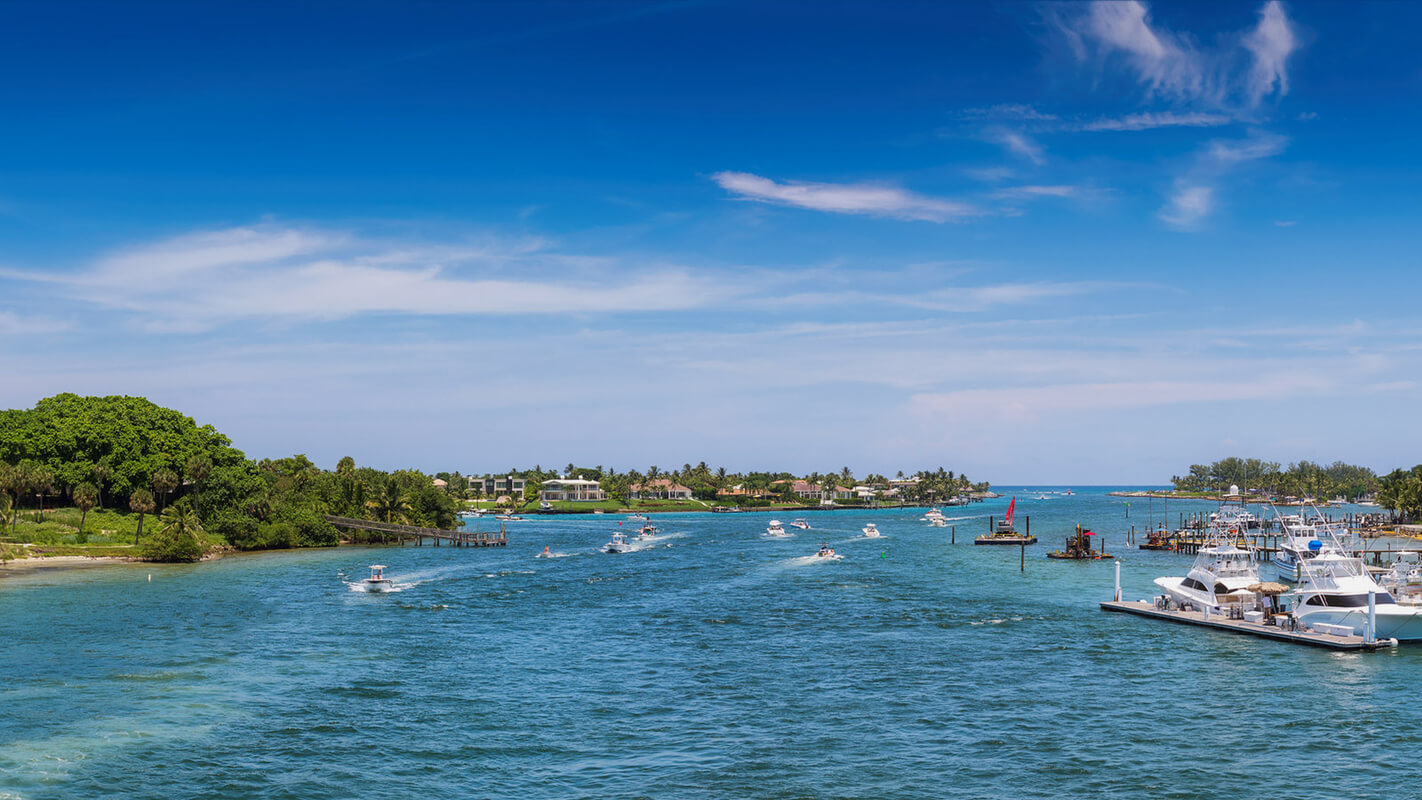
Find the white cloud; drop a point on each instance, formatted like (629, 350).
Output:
(1015, 111)
(201, 280)
(15, 325)
(1029, 192)
(1188, 206)
(1270, 43)
(1239, 74)
(845, 198)
(1018, 144)
(1156, 119)
(1192, 198)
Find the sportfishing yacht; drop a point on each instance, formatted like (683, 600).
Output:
(1220, 569)
(618, 544)
(1335, 589)
(776, 529)
(377, 582)
(870, 531)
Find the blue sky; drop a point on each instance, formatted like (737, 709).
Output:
(1031, 242)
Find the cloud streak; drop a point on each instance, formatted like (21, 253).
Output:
(1239, 75)
(845, 198)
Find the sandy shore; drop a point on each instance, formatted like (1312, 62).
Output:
(61, 562)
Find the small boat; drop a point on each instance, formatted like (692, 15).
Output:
(618, 544)
(647, 531)
(545, 505)
(377, 582)
(599, 511)
(545, 554)
(938, 522)
(776, 529)
(800, 523)
(870, 531)
(826, 551)
(509, 518)
(637, 517)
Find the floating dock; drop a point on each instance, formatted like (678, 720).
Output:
(1144, 608)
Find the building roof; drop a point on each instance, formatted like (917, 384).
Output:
(569, 482)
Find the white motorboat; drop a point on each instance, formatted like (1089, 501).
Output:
(800, 523)
(547, 553)
(870, 531)
(1403, 579)
(509, 518)
(618, 544)
(637, 517)
(1223, 571)
(647, 531)
(1335, 590)
(377, 582)
(938, 522)
(827, 552)
(776, 529)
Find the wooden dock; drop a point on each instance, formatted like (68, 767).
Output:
(1144, 608)
(402, 533)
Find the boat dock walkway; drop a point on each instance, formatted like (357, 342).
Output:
(455, 538)
(1144, 608)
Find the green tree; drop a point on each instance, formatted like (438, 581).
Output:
(39, 480)
(12, 483)
(177, 538)
(165, 481)
(199, 466)
(86, 496)
(142, 503)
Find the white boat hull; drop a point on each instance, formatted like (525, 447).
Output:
(1403, 623)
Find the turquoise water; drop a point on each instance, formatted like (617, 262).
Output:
(714, 664)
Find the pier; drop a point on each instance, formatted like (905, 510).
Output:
(454, 538)
(1143, 608)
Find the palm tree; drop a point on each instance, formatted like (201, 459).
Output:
(165, 481)
(390, 505)
(11, 484)
(141, 501)
(180, 520)
(41, 481)
(86, 496)
(101, 472)
(198, 468)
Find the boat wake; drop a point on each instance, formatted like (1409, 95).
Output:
(803, 561)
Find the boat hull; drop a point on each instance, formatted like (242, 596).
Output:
(1403, 623)
(1012, 540)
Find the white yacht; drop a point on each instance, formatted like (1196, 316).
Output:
(938, 522)
(776, 529)
(870, 531)
(618, 544)
(377, 582)
(1403, 579)
(800, 523)
(1220, 569)
(1335, 590)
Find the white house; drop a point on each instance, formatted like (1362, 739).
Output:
(571, 489)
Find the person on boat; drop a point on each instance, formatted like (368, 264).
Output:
(545, 551)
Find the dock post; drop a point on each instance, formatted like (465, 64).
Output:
(953, 534)
(1022, 558)
(1370, 635)
(1117, 595)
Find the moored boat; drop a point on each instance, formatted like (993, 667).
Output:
(1003, 533)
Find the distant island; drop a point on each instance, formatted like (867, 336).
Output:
(122, 477)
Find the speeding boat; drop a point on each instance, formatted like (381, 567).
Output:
(933, 514)
(1335, 590)
(647, 531)
(776, 529)
(618, 544)
(871, 532)
(546, 553)
(800, 523)
(377, 582)
(826, 551)
(637, 517)
(509, 518)
(938, 522)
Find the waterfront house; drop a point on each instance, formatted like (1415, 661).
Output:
(492, 485)
(659, 489)
(574, 489)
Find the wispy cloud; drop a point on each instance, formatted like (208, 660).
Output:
(1019, 144)
(846, 198)
(1192, 196)
(1239, 74)
(199, 281)
(1030, 192)
(1155, 119)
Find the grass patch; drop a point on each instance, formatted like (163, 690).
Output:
(106, 529)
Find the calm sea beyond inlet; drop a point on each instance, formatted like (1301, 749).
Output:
(710, 663)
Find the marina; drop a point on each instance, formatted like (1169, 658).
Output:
(1330, 640)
